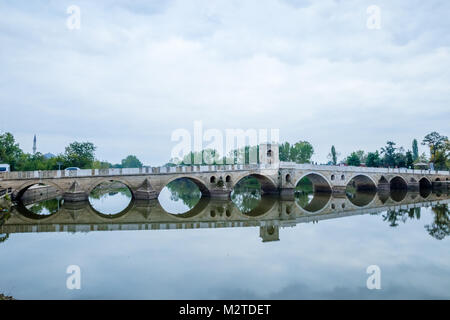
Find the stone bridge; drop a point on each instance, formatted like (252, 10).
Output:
(270, 215)
(219, 180)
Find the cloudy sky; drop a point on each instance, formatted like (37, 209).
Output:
(138, 70)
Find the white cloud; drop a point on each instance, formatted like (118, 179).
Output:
(136, 71)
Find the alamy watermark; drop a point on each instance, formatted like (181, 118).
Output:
(74, 279)
(374, 280)
(374, 18)
(214, 146)
(73, 22)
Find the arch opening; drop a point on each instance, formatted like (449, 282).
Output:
(425, 187)
(252, 195)
(314, 183)
(361, 190)
(110, 198)
(398, 183)
(182, 195)
(255, 182)
(361, 183)
(312, 193)
(39, 200)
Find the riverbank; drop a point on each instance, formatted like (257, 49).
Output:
(3, 297)
(5, 203)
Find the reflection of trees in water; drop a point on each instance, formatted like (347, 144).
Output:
(246, 194)
(110, 189)
(440, 228)
(303, 198)
(186, 191)
(46, 206)
(401, 215)
(3, 218)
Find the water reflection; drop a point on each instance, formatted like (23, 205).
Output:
(45, 207)
(246, 195)
(110, 198)
(361, 198)
(338, 231)
(180, 196)
(440, 228)
(247, 206)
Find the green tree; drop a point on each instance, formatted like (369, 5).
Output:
(353, 160)
(285, 149)
(389, 154)
(131, 161)
(97, 164)
(409, 159)
(80, 154)
(415, 150)
(373, 159)
(301, 152)
(435, 142)
(333, 155)
(10, 151)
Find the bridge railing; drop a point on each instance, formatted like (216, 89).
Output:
(307, 166)
(52, 174)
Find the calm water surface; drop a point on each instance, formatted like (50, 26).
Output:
(182, 246)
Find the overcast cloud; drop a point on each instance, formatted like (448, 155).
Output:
(137, 70)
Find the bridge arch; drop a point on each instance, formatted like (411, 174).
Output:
(363, 182)
(264, 207)
(316, 205)
(27, 185)
(112, 179)
(113, 216)
(319, 181)
(424, 182)
(267, 184)
(199, 183)
(398, 183)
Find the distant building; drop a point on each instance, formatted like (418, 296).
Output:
(49, 155)
(34, 145)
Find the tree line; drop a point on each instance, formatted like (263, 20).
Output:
(392, 156)
(76, 154)
(82, 155)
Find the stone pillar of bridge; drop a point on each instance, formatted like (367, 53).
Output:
(220, 193)
(269, 233)
(75, 193)
(383, 185)
(287, 193)
(338, 189)
(413, 186)
(145, 191)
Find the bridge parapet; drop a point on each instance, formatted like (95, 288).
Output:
(54, 174)
(307, 166)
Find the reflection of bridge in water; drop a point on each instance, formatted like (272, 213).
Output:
(271, 214)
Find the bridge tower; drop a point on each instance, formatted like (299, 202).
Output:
(269, 154)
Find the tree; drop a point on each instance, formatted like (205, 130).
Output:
(301, 152)
(409, 159)
(80, 154)
(353, 160)
(333, 155)
(10, 151)
(415, 150)
(435, 142)
(284, 151)
(131, 162)
(373, 159)
(389, 153)
(362, 156)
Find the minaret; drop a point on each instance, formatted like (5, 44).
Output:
(34, 144)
